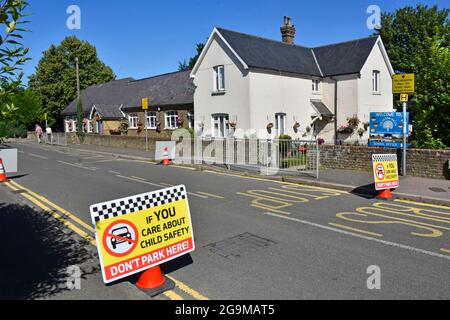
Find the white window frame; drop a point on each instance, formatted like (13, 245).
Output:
(89, 126)
(171, 118)
(280, 124)
(133, 120)
(316, 86)
(376, 82)
(222, 121)
(151, 120)
(191, 119)
(219, 79)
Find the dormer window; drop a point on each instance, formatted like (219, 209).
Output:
(316, 86)
(219, 79)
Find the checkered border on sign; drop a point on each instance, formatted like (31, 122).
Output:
(384, 157)
(149, 200)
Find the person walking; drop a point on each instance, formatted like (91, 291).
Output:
(49, 135)
(39, 133)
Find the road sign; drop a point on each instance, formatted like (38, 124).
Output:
(385, 171)
(9, 158)
(403, 83)
(404, 97)
(386, 129)
(163, 147)
(140, 232)
(144, 103)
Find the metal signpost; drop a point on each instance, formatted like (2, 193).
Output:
(145, 108)
(403, 84)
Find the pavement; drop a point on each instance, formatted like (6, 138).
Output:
(255, 238)
(432, 191)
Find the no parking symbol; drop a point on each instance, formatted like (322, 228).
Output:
(120, 238)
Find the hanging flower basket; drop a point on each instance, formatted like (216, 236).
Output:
(296, 126)
(353, 121)
(346, 129)
(233, 124)
(270, 126)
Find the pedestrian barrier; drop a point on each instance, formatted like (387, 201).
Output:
(57, 139)
(269, 156)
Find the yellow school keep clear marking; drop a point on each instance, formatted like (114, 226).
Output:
(280, 182)
(83, 234)
(445, 250)
(272, 203)
(423, 204)
(356, 230)
(368, 212)
(422, 213)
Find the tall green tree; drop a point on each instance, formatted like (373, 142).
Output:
(55, 78)
(13, 55)
(184, 65)
(417, 40)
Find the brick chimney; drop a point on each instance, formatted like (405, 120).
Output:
(288, 31)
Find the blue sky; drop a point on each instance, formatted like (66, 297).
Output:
(141, 38)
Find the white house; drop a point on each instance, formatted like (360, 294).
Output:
(247, 84)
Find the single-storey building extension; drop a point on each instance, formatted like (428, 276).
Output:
(252, 86)
(106, 105)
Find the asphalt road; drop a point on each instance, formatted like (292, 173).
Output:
(309, 243)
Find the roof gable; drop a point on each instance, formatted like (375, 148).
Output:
(256, 52)
(344, 58)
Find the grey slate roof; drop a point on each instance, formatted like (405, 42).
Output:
(336, 59)
(108, 93)
(321, 108)
(107, 111)
(344, 58)
(270, 54)
(164, 90)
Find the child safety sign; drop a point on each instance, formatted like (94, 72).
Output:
(385, 171)
(136, 233)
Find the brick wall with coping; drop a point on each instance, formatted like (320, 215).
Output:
(128, 142)
(420, 163)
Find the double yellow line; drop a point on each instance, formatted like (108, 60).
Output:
(77, 225)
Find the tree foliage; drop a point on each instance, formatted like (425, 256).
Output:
(184, 65)
(55, 77)
(417, 40)
(13, 55)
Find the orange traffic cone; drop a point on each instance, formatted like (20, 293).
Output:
(166, 160)
(151, 279)
(2, 172)
(153, 282)
(385, 194)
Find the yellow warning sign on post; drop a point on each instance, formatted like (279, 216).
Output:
(140, 232)
(404, 83)
(385, 170)
(144, 103)
(404, 97)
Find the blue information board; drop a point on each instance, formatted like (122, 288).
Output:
(386, 129)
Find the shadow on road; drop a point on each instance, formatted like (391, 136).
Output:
(36, 251)
(367, 191)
